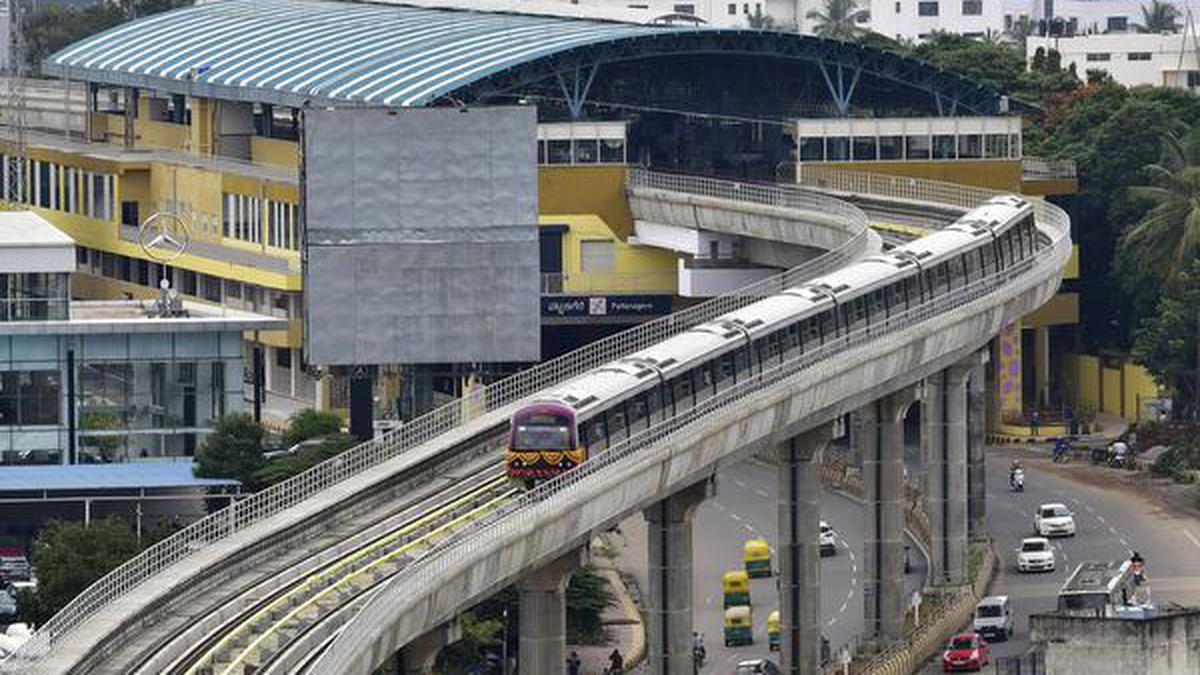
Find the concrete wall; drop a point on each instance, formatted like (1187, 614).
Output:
(1167, 645)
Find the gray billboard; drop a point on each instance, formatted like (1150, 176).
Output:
(421, 240)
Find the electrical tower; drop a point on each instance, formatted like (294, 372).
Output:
(14, 162)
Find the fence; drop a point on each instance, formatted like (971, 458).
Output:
(1036, 168)
(507, 392)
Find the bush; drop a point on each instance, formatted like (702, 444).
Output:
(233, 450)
(68, 557)
(587, 598)
(311, 423)
(285, 467)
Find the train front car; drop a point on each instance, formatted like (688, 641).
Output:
(543, 442)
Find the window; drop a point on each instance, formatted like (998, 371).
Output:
(864, 148)
(596, 256)
(926, 8)
(1008, 21)
(812, 149)
(891, 147)
(242, 218)
(283, 357)
(29, 397)
(129, 213)
(1138, 56)
(732, 9)
(586, 151)
(612, 150)
(995, 145)
(837, 148)
(917, 147)
(210, 288)
(897, 8)
(970, 146)
(1193, 79)
(1099, 56)
(1117, 24)
(972, 7)
(943, 146)
(281, 225)
(685, 9)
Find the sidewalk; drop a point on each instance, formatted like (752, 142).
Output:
(622, 620)
(1106, 427)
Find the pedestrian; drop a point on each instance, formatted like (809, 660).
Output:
(1035, 421)
(616, 663)
(573, 663)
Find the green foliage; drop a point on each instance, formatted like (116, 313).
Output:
(478, 633)
(841, 20)
(996, 65)
(1167, 342)
(760, 21)
(233, 450)
(105, 447)
(1167, 237)
(281, 469)
(53, 27)
(309, 423)
(587, 598)
(1159, 17)
(68, 557)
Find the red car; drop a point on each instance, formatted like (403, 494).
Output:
(965, 651)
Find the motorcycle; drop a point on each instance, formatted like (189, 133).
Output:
(1017, 480)
(698, 656)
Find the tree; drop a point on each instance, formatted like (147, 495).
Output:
(54, 26)
(68, 557)
(1159, 17)
(760, 21)
(587, 598)
(309, 423)
(1020, 31)
(1165, 240)
(281, 469)
(840, 21)
(1168, 343)
(995, 65)
(233, 450)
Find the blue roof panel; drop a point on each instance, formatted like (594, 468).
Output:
(390, 55)
(96, 477)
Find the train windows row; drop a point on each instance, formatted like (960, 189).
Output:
(691, 388)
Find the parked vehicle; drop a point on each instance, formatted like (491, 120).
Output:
(757, 667)
(1054, 520)
(994, 618)
(739, 626)
(773, 631)
(1035, 555)
(965, 651)
(828, 541)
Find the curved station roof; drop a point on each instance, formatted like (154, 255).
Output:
(294, 52)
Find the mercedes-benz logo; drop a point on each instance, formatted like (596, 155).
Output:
(164, 237)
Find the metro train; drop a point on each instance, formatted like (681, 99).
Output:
(607, 405)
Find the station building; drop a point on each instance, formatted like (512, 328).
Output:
(198, 112)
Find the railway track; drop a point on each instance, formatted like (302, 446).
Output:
(272, 616)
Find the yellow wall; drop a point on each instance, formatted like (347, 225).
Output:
(1061, 309)
(1139, 386)
(275, 152)
(997, 174)
(1059, 186)
(1071, 269)
(1110, 393)
(598, 190)
(1117, 391)
(636, 269)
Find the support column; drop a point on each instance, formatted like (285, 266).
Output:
(976, 432)
(419, 656)
(799, 551)
(543, 614)
(669, 603)
(1041, 366)
(944, 431)
(881, 433)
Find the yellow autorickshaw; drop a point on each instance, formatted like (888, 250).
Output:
(736, 587)
(757, 556)
(773, 631)
(739, 626)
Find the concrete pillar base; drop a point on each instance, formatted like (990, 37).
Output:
(944, 428)
(543, 614)
(419, 656)
(669, 602)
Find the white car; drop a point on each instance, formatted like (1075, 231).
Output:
(1035, 555)
(828, 544)
(1054, 520)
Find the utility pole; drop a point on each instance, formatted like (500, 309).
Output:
(14, 171)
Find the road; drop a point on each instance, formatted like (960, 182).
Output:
(1110, 523)
(745, 507)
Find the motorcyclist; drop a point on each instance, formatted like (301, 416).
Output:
(698, 650)
(1012, 471)
(1061, 447)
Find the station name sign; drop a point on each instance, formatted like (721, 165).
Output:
(606, 305)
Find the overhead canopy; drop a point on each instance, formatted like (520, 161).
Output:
(78, 478)
(294, 52)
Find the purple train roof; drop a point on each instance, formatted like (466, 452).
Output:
(544, 408)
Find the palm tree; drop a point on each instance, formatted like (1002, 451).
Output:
(841, 20)
(1159, 17)
(760, 21)
(1167, 238)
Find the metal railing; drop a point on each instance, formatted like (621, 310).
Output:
(1037, 168)
(575, 283)
(503, 525)
(277, 498)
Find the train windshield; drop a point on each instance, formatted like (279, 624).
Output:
(542, 432)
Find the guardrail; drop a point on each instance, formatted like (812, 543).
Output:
(277, 498)
(503, 525)
(1037, 168)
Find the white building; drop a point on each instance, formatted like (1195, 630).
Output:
(1132, 59)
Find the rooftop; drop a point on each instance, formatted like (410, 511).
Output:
(97, 477)
(135, 316)
(28, 243)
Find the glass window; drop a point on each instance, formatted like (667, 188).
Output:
(1099, 56)
(943, 146)
(685, 9)
(541, 158)
(1014, 146)
(612, 150)
(864, 148)
(596, 256)
(995, 145)
(972, 7)
(29, 397)
(731, 9)
(1118, 24)
(917, 147)
(891, 147)
(927, 8)
(812, 149)
(837, 148)
(1138, 56)
(558, 152)
(586, 151)
(970, 146)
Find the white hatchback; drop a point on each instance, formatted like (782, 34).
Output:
(1054, 520)
(1035, 555)
(827, 540)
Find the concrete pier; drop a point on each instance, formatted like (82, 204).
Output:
(543, 614)
(669, 603)
(944, 435)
